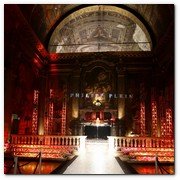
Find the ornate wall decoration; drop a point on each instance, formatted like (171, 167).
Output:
(96, 87)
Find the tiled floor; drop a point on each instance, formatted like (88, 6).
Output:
(95, 159)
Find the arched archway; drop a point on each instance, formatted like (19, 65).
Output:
(100, 28)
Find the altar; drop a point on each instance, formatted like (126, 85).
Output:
(97, 131)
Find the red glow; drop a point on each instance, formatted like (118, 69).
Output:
(51, 106)
(154, 119)
(63, 125)
(47, 151)
(128, 150)
(6, 147)
(35, 112)
(148, 154)
(54, 56)
(169, 126)
(161, 159)
(39, 46)
(142, 119)
(46, 167)
(48, 123)
(163, 127)
(41, 49)
(150, 168)
(153, 153)
(36, 61)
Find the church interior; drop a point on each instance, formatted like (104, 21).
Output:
(97, 79)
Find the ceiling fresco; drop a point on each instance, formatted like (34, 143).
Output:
(42, 17)
(100, 28)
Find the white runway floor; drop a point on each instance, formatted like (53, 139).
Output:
(95, 159)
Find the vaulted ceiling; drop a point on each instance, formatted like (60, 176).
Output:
(28, 30)
(46, 17)
(100, 28)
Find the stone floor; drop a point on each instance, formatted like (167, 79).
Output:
(95, 159)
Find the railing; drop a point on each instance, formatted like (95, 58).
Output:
(78, 141)
(159, 166)
(139, 142)
(15, 166)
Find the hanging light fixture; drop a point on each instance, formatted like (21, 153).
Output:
(97, 102)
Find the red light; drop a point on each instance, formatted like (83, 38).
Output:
(36, 61)
(48, 123)
(35, 112)
(142, 119)
(54, 56)
(154, 119)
